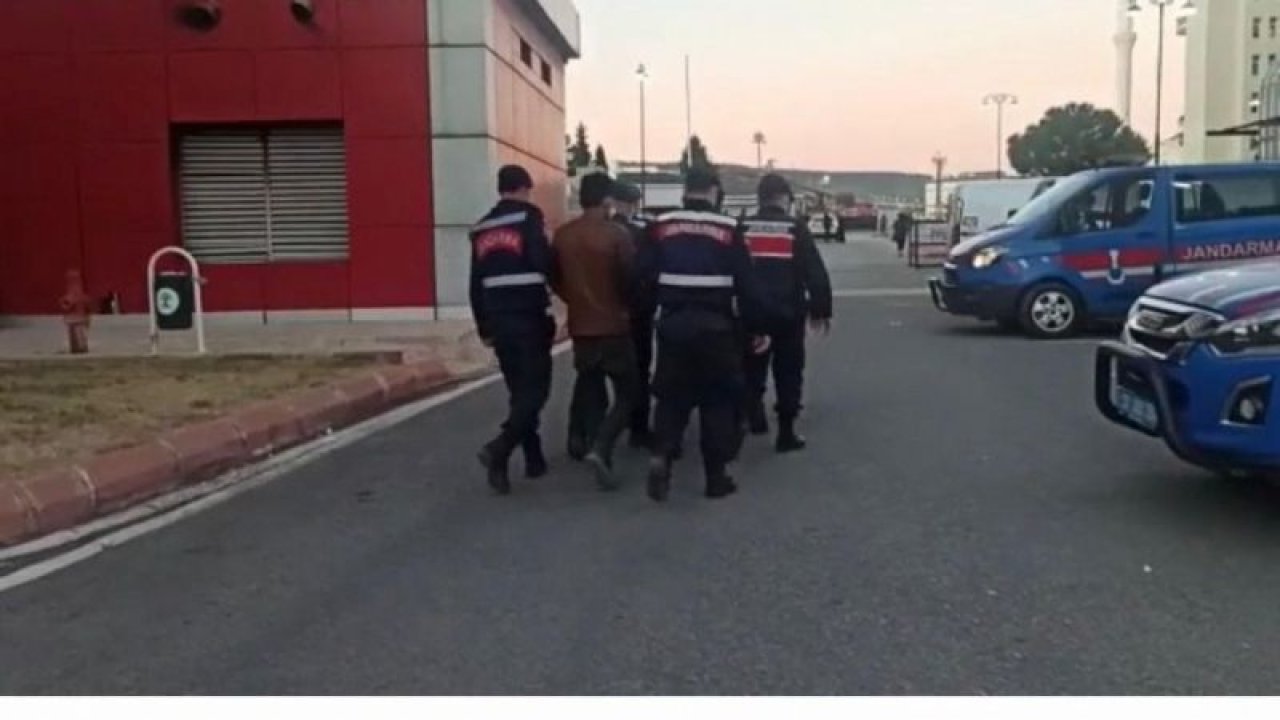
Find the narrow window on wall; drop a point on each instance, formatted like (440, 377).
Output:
(1256, 65)
(526, 53)
(1271, 61)
(1257, 28)
(1273, 24)
(546, 72)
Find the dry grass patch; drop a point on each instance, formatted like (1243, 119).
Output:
(68, 410)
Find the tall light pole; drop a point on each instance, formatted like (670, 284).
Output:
(688, 108)
(939, 165)
(1126, 40)
(1162, 6)
(643, 75)
(1000, 100)
(760, 141)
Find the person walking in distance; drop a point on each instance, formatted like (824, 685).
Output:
(626, 201)
(592, 271)
(794, 283)
(901, 230)
(699, 268)
(510, 263)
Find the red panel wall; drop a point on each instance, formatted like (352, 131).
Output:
(91, 94)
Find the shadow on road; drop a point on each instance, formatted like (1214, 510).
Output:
(1202, 502)
(991, 330)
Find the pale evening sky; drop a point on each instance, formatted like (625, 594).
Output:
(852, 84)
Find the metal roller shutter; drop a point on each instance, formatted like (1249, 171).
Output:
(258, 196)
(223, 179)
(307, 194)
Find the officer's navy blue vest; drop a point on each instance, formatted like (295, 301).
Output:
(510, 270)
(697, 262)
(772, 237)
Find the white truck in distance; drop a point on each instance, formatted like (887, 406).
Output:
(977, 206)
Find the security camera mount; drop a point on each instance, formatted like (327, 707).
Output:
(200, 14)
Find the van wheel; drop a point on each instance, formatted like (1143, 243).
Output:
(1051, 311)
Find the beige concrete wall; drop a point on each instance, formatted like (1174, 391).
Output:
(490, 108)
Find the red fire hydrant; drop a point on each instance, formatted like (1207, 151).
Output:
(77, 308)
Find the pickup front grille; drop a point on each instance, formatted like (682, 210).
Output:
(1164, 328)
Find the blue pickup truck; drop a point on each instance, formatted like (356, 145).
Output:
(1197, 367)
(1088, 248)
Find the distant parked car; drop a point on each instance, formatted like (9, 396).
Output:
(860, 217)
(826, 226)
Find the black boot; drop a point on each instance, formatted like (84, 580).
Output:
(603, 469)
(757, 420)
(659, 486)
(493, 457)
(642, 439)
(788, 440)
(720, 486)
(535, 462)
(578, 448)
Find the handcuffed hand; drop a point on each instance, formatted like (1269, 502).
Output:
(820, 325)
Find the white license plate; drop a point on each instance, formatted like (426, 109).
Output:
(1132, 405)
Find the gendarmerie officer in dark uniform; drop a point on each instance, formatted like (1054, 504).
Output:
(700, 270)
(510, 264)
(626, 202)
(793, 281)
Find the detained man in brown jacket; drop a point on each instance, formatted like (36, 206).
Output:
(592, 259)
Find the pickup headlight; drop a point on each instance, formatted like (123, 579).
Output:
(986, 257)
(1257, 332)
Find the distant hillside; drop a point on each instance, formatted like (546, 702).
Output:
(865, 184)
(741, 180)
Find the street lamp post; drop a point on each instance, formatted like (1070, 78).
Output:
(643, 75)
(1162, 6)
(939, 165)
(760, 141)
(1000, 100)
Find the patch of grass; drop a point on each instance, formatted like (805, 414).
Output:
(65, 411)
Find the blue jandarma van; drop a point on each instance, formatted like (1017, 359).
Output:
(1088, 248)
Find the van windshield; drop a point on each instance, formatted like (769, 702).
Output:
(1052, 198)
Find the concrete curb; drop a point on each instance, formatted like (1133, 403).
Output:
(65, 497)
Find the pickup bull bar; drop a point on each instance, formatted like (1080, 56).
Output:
(935, 293)
(1113, 353)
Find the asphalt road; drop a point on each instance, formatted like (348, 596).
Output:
(963, 523)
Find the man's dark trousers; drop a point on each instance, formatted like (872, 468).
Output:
(642, 336)
(597, 360)
(786, 356)
(524, 357)
(703, 371)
